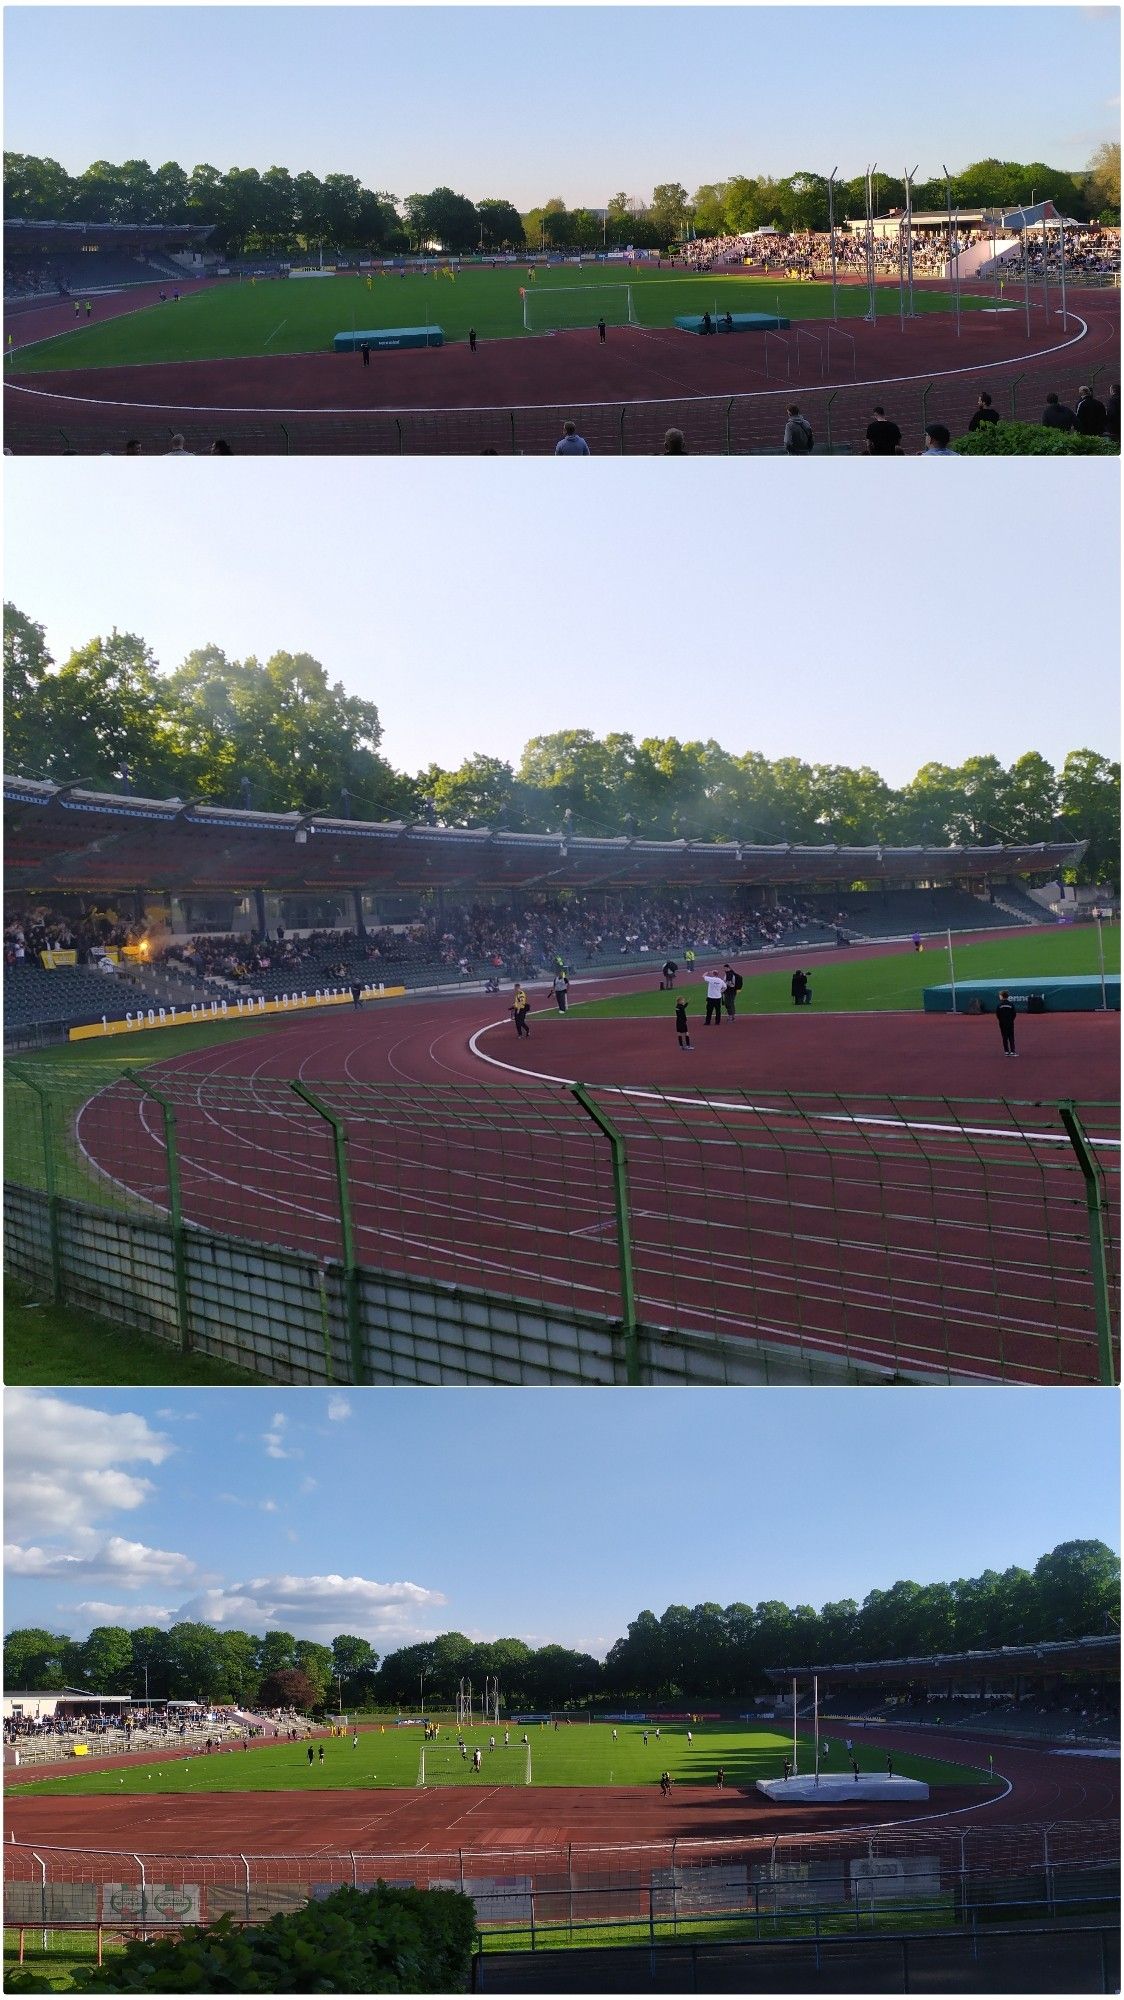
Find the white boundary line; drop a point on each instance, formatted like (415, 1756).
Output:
(824, 1117)
(492, 409)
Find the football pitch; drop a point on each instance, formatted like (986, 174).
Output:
(577, 1754)
(893, 982)
(301, 316)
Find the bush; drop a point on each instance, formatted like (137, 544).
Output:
(1032, 440)
(383, 1940)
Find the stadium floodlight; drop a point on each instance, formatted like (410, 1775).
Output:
(553, 308)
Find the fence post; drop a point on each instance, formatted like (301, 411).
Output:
(42, 1894)
(925, 394)
(1096, 1203)
(624, 1228)
(1015, 396)
(729, 412)
(175, 1205)
(827, 415)
(351, 1271)
(52, 1190)
(246, 1866)
(401, 439)
(511, 414)
(624, 413)
(285, 435)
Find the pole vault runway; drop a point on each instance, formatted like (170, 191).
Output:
(880, 1223)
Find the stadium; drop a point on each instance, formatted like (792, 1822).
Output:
(123, 334)
(775, 1853)
(333, 1158)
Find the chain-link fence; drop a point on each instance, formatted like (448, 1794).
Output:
(916, 1237)
(536, 1897)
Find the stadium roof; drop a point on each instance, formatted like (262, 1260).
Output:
(19, 235)
(67, 837)
(1093, 1655)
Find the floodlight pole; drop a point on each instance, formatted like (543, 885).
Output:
(795, 1766)
(816, 1720)
(951, 967)
(1026, 271)
(831, 239)
(1045, 268)
(1061, 240)
(953, 262)
(1100, 956)
(909, 237)
(872, 297)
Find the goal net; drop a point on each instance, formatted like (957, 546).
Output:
(447, 1764)
(551, 308)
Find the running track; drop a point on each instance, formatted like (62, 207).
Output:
(858, 1227)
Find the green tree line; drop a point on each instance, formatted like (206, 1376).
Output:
(109, 715)
(275, 211)
(701, 1650)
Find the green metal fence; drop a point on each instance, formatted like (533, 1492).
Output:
(918, 1238)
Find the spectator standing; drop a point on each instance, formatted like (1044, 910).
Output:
(682, 1031)
(798, 438)
(1112, 414)
(1092, 417)
(1005, 1015)
(938, 442)
(983, 413)
(1057, 416)
(883, 438)
(571, 444)
(715, 994)
(520, 1008)
(561, 987)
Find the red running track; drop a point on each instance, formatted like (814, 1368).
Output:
(571, 372)
(878, 1230)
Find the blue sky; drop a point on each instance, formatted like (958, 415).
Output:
(542, 1514)
(529, 102)
(932, 614)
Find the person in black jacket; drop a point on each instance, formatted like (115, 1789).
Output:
(983, 413)
(1112, 413)
(1092, 417)
(1058, 416)
(1005, 1015)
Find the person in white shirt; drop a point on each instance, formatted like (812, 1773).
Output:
(715, 992)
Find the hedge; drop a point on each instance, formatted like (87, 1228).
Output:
(1033, 440)
(383, 1940)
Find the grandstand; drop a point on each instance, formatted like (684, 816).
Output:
(78, 259)
(418, 905)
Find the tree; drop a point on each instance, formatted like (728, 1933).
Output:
(442, 220)
(106, 1660)
(1090, 809)
(1104, 181)
(289, 1688)
(1078, 1590)
(356, 1662)
(480, 793)
(33, 1660)
(197, 1667)
(104, 713)
(315, 1661)
(501, 226)
(277, 1653)
(27, 663)
(668, 209)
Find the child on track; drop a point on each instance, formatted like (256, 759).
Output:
(682, 1030)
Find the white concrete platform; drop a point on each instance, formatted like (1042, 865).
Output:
(838, 1789)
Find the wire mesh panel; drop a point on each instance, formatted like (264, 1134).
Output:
(906, 1234)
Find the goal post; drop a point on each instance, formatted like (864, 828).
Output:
(553, 308)
(441, 1764)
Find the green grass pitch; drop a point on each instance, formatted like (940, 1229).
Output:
(580, 1754)
(893, 982)
(300, 316)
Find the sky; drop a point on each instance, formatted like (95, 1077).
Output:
(479, 606)
(552, 1515)
(529, 102)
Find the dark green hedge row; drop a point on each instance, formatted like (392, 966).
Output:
(385, 1940)
(1032, 440)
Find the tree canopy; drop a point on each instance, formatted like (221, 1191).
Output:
(699, 1650)
(113, 717)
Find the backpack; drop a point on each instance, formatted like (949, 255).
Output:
(803, 428)
(737, 982)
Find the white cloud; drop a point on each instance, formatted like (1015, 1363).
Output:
(110, 1558)
(80, 1618)
(274, 1438)
(307, 1485)
(65, 1464)
(338, 1409)
(318, 1607)
(260, 1506)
